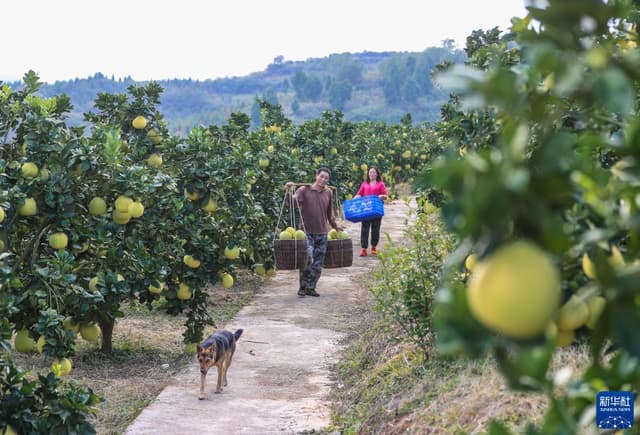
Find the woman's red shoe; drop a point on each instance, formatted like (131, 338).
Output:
(373, 251)
(363, 252)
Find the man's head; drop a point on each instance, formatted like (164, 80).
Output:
(322, 177)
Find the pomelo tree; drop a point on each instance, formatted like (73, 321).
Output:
(547, 119)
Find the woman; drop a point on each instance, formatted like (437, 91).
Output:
(373, 185)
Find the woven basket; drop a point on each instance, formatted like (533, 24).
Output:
(290, 254)
(339, 253)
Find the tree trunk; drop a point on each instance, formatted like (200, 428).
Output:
(106, 326)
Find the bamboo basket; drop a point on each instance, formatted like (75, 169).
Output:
(290, 254)
(339, 253)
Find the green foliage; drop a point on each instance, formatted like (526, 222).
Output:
(43, 405)
(406, 283)
(539, 143)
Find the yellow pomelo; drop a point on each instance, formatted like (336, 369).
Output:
(71, 325)
(121, 217)
(58, 240)
(406, 154)
(300, 235)
(616, 259)
(232, 253)
(154, 136)
(136, 209)
(343, 235)
(211, 206)
(263, 163)
(333, 234)
(29, 170)
(573, 314)
(565, 338)
(184, 292)
(227, 280)
(470, 261)
(97, 206)
(156, 290)
(139, 122)
(271, 271)
(40, 344)
(191, 262)
(119, 277)
(29, 208)
(259, 269)
(291, 231)
(285, 235)
(93, 284)
(1, 214)
(64, 366)
(596, 306)
(154, 159)
(45, 174)
(515, 291)
(193, 196)
(122, 203)
(23, 342)
(587, 266)
(89, 331)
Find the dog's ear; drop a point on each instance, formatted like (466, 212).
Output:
(198, 348)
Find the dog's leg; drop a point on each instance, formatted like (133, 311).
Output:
(226, 367)
(203, 377)
(220, 368)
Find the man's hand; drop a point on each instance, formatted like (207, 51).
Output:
(289, 185)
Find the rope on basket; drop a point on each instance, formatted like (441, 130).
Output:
(289, 196)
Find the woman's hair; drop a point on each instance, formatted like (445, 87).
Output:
(378, 174)
(323, 169)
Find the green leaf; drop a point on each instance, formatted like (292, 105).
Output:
(615, 92)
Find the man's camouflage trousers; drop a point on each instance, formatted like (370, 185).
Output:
(316, 251)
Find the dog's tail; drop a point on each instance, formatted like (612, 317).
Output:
(237, 334)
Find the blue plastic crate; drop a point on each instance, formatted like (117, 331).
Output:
(363, 208)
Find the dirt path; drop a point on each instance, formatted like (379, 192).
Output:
(280, 378)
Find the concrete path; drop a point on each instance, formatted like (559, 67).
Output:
(280, 378)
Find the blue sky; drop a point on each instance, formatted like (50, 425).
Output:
(200, 39)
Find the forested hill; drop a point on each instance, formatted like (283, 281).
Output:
(363, 86)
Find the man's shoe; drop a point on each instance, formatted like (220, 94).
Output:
(373, 251)
(312, 292)
(363, 252)
(302, 292)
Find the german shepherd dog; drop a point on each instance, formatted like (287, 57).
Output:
(217, 350)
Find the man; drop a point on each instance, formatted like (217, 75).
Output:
(315, 206)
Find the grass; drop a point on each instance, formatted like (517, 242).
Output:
(384, 385)
(148, 352)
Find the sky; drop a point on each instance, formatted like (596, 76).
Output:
(209, 39)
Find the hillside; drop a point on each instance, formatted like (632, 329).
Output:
(363, 86)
